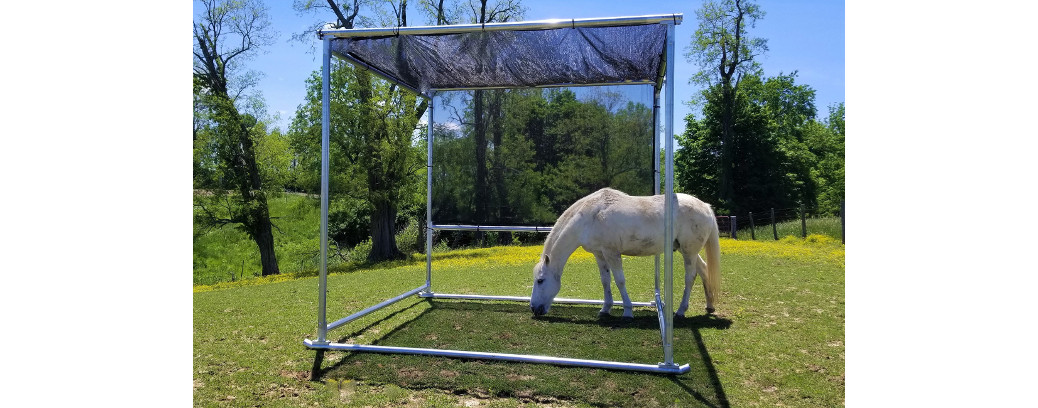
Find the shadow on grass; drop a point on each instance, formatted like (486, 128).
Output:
(573, 331)
(317, 373)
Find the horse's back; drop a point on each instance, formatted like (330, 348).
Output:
(631, 225)
(620, 223)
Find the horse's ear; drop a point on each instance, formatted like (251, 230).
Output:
(546, 260)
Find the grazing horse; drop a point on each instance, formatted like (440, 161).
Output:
(608, 224)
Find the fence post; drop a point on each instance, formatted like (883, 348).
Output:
(843, 223)
(734, 228)
(803, 223)
(774, 229)
(753, 234)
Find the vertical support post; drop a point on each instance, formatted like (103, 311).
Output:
(428, 194)
(753, 229)
(803, 223)
(670, 200)
(656, 171)
(735, 228)
(326, 110)
(774, 229)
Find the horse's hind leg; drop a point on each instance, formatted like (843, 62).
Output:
(693, 264)
(603, 270)
(615, 264)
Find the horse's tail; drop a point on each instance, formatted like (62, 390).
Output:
(713, 265)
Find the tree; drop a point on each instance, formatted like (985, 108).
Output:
(758, 160)
(784, 156)
(227, 33)
(381, 136)
(791, 109)
(724, 51)
(827, 140)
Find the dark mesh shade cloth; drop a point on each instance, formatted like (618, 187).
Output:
(514, 59)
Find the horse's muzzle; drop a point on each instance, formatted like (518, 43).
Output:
(538, 311)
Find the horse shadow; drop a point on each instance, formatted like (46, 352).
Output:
(701, 384)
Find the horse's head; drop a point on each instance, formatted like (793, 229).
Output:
(547, 280)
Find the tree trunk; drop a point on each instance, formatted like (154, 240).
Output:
(727, 190)
(255, 201)
(481, 195)
(265, 239)
(501, 212)
(383, 232)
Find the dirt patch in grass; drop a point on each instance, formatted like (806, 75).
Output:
(296, 375)
(515, 377)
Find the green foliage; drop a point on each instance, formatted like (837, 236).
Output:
(220, 253)
(782, 156)
(721, 45)
(228, 254)
(375, 156)
(545, 149)
(829, 173)
(758, 143)
(759, 179)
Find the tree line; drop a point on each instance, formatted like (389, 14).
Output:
(506, 157)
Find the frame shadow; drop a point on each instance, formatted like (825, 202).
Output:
(701, 384)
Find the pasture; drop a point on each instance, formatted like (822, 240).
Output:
(777, 338)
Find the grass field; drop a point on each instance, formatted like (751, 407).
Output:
(777, 339)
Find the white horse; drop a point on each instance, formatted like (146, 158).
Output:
(608, 224)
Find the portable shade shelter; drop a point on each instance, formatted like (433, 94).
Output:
(548, 53)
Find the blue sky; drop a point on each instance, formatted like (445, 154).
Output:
(803, 35)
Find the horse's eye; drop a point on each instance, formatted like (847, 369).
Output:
(540, 281)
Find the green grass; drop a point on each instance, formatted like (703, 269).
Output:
(827, 226)
(228, 254)
(778, 338)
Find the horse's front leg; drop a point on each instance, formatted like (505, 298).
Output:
(603, 270)
(615, 263)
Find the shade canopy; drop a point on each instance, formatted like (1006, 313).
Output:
(512, 55)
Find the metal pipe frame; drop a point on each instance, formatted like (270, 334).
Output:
(665, 313)
(656, 190)
(644, 82)
(428, 193)
(385, 303)
(550, 24)
(524, 299)
(522, 358)
(326, 109)
(670, 200)
(499, 228)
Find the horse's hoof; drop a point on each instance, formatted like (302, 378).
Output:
(709, 310)
(603, 315)
(679, 315)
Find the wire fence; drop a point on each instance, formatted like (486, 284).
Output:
(776, 223)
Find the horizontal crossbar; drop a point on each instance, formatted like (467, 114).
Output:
(524, 299)
(524, 358)
(504, 228)
(506, 26)
(354, 316)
